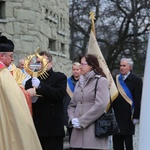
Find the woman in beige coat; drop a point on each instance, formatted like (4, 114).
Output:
(85, 107)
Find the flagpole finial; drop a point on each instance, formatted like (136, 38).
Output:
(92, 18)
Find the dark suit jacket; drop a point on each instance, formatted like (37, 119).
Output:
(123, 109)
(48, 109)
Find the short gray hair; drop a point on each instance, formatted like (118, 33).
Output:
(129, 60)
(20, 60)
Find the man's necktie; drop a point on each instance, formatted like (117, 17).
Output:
(123, 78)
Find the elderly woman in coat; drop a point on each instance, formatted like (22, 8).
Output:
(86, 106)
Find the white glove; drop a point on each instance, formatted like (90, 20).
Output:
(135, 121)
(76, 123)
(34, 99)
(35, 82)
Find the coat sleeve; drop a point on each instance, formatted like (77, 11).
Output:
(55, 89)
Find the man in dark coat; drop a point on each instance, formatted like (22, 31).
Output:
(48, 109)
(127, 105)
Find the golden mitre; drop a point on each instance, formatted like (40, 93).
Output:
(33, 69)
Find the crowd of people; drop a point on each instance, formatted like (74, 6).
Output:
(34, 111)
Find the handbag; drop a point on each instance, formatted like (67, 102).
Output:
(106, 124)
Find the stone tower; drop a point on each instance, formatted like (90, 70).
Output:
(38, 23)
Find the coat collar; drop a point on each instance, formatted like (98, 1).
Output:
(130, 76)
(85, 79)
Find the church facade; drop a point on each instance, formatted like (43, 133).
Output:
(37, 24)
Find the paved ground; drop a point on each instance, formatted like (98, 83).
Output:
(135, 140)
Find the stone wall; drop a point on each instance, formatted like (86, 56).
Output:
(35, 23)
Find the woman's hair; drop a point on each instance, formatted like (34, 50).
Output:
(93, 62)
(76, 64)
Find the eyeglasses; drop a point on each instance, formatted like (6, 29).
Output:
(84, 64)
(11, 55)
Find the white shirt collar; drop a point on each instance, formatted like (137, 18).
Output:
(125, 76)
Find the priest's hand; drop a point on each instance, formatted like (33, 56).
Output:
(35, 82)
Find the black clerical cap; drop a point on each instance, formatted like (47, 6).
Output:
(6, 45)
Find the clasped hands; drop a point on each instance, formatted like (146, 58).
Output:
(35, 83)
(76, 124)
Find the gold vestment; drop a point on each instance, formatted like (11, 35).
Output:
(17, 131)
(17, 74)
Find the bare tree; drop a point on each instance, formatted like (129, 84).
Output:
(121, 29)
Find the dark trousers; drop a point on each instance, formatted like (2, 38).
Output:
(52, 143)
(69, 132)
(119, 141)
(82, 149)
